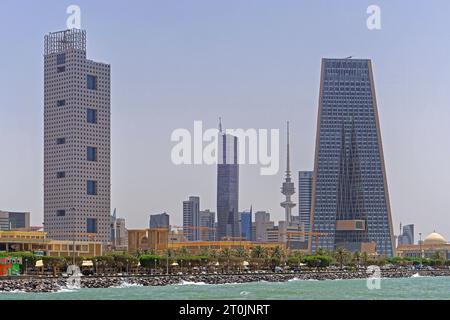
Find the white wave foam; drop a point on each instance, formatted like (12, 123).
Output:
(13, 291)
(191, 283)
(128, 285)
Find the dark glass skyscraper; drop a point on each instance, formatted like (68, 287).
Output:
(228, 188)
(246, 225)
(350, 203)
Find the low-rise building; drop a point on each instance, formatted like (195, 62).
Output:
(14, 220)
(37, 242)
(434, 244)
(147, 239)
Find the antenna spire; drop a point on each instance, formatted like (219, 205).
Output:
(220, 124)
(288, 160)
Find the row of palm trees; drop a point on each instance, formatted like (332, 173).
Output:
(229, 259)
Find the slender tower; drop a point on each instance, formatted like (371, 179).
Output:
(288, 189)
(77, 140)
(227, 186)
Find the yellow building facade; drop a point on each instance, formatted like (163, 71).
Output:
(37, 241)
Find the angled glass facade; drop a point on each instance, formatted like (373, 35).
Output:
(350, 202)
(228, 225)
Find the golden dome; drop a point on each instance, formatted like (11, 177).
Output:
(435, 238)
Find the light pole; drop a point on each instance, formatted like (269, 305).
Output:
(167, 261)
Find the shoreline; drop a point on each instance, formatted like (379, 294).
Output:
(33, 284)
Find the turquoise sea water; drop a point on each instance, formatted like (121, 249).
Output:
(406, 288)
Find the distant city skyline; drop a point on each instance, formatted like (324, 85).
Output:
(256, 64)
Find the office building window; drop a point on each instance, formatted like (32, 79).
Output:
(61, 141)
(91, 225)
(91, 116)
(61, 69)
(91, 154)
(92, 188)
(61, 58)
(61, 175)
(61, 103)
(91, 82)
(60, 213)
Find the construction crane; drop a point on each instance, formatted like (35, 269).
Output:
(303, 233)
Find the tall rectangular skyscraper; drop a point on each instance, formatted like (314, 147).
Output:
(191, 218)
(246, 225)
(207, 221)
(407, 236)
(350, 194)
(305, 182)
(228, 188)
(77, 107)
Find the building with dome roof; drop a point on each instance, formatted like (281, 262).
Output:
(433, 243)
(434, 238)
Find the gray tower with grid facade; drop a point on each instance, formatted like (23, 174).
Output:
(77, 140)
(350, 200)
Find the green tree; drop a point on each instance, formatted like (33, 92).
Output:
(357, 258)
(341, 256)
(241, 253)
(56, 263)
(259, 252)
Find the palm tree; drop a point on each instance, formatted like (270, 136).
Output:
(225, 253)
(357, 258)
(183, 252)
(258, 252)
(241, 253)
(341, 255)
(364, 258)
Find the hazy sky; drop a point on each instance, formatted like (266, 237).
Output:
(256, 63)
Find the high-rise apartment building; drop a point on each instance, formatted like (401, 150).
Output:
(350, 203)
(305, 182)
(191, 219)
(262, 222)
(207, 222)
(77, 140)
(228, 187)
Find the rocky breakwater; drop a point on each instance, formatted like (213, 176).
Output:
(55, 284)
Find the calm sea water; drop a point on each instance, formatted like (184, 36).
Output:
(406, 288)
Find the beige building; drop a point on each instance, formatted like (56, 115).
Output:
(37, 242)
(147, 239)
(433, 244)
(76, 140)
